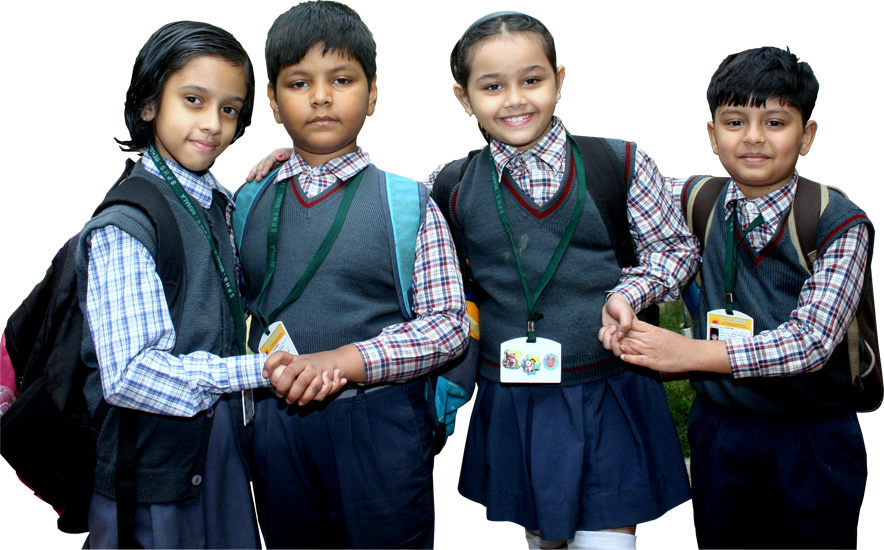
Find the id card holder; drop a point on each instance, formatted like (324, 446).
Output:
(523, 362)
(721, 326)
(275, 339)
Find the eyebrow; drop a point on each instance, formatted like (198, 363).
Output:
(523, 70)
(295, 71)
(198, 88)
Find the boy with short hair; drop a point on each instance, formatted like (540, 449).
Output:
(777, 456)
(355, 471)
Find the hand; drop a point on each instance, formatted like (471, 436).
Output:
(665, 351)
(315, 376)
(617, 319)
(268, 163)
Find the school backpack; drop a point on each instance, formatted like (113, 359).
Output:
(449, 386)
(611, 155)
(48, 435)
(698, 201)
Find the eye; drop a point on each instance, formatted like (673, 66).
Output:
(229, 110)
(342, 80)
(776, 123)
(193, 99)
(734, 123)
(531, 80)
(298, 84)
(493, 87)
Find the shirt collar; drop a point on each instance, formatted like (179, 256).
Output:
(198, 187)
(771, 206)
(550, 150)
(343, 167)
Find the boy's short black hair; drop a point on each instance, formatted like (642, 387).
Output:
(167, 51)
(753, 76)
(336, 26)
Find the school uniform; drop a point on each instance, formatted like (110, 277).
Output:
(191, 481)
(355, 470)
(599, 450)
(777, 455)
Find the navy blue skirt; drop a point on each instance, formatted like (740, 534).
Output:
(559, 459)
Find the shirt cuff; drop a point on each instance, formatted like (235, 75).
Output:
(244, 372)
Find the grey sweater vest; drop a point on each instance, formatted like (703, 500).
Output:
(353, 296)
(767, 289)
(170, 450)
(571, 303)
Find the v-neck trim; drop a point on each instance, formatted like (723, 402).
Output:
(316, 199)
(550, 206)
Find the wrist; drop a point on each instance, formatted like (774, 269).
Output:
(708, 356)
(351, 363)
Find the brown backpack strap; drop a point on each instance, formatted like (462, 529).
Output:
(804, 218)
(701, 201)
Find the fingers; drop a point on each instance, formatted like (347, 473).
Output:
(280, 358)
(305, 388)
(639, 360)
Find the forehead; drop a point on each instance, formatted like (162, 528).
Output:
(210, 73)
(317, 61)
(508, 54)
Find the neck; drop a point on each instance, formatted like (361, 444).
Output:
(318, 159)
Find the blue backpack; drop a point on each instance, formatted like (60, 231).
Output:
(449, 386)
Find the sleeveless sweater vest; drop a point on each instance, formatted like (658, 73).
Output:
(170, 450)
(767, 289)
(571, 303)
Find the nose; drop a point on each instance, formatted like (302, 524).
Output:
(211, 122)
(754, 133)
(321, 94)
(514, 98)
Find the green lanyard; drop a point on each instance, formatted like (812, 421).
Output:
(556, 259)
(313, 266)
(230, 290)
(730, 261)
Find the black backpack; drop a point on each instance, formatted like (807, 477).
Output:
(48, 435)
(611, 155)
(698, 199)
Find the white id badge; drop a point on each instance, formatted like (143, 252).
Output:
(522, 362)
(721, 326)
(277, 339)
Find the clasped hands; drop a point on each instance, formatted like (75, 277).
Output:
(315, 376)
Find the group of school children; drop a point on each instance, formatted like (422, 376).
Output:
(336, 438)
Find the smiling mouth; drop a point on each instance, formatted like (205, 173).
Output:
(516, 120)
(206, 146)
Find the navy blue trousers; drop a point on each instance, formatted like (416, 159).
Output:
(766, 482)
(354, 472)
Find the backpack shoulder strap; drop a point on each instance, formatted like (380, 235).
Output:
(606, 160)
(406, 207)
(699, 197)
(245, 199)
(811, 200)
(140, 193)
(443, 195)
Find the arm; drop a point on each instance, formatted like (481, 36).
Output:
(133, 335)
(667, 252)
(403, 351)
(826, 304)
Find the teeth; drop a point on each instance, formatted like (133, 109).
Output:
(516, 119)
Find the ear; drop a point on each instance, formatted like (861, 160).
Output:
(560, 79)
(148, 113)
(807, 139)
(461, 94)
(711, 127)
(271, 95)
(373, 95)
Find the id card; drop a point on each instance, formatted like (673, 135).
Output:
(721, 326)
(522, 362)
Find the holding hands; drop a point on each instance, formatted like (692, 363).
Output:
(656, 348)
(315, 376)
